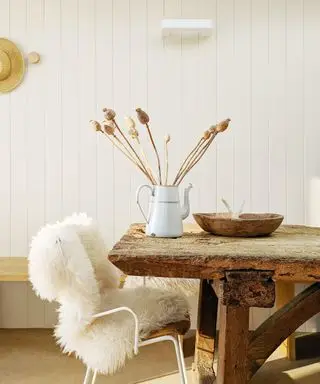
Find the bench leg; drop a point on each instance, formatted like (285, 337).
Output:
(285, 292)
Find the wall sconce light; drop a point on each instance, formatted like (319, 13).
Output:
(173, 26)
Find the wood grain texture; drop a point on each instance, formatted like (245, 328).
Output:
(233, 345)
(260, 68)
(292, 253)
(247, 289)
(206, 334)
(13, 269)
(265, 339)
(246, 225)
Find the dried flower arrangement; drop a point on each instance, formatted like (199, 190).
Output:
(111, 129)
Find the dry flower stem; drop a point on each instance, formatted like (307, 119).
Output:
(188, 159)
(128, 156)
(131, 147)
(147, 165)
(166, 159)
(156, 152)
(197, 158)
(220, 127)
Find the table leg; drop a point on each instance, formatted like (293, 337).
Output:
(205, 339)
(284, 294)
(233, 345)
(239, 291)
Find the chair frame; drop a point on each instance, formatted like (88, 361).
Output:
(91, 375)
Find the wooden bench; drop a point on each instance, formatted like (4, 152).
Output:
(13, 269)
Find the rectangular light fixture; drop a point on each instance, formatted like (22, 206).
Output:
(202, 26)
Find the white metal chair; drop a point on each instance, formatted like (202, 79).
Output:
(67, 263)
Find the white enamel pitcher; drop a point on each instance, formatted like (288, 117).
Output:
(165, 213)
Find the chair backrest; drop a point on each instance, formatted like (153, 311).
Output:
(68, 263)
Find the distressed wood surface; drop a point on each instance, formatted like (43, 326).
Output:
(247, 289)
(266, 338)
(206, 333)
(199, 254)
(233, 345)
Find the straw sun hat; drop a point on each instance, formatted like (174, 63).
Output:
(11, 66)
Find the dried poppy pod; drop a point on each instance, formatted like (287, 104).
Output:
(142, 116)
(133, 132)
(96, 125)
(212, 128)
(108, 129)
(223, 125)
(167, 138)
(109, 114)
(130, 122)
(206, 134)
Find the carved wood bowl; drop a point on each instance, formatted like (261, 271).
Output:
(247, 225)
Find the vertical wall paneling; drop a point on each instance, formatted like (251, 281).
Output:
(225, 104)
(260, 67)
(294, 108)
(121, 72)
(260, 93)
(104, 89)
(87, 78)
(138, 84)
(53, 123)
(158, 88)
(190, 114)
(172, 103)
(278, 127)
(241, 115)
(35, 144)
(311, 116)
(72, 112)
(5, 158)
(260, 170)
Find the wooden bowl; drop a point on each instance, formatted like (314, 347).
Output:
(247, 225)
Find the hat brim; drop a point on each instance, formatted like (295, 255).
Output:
(17, 66)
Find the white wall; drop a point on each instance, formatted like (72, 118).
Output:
(261, 68)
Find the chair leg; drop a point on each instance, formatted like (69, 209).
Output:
(178, 350)
(180, 360)
(184, 371)
(87, 376)
(94, 377)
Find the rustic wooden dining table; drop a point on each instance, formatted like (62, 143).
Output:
(240, 273)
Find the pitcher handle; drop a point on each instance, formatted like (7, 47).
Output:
(138, 199)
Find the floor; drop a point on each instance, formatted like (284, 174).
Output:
(31, 357)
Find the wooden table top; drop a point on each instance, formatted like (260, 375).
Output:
(292, 252)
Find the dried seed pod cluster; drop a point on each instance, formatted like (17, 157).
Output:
(110, 128)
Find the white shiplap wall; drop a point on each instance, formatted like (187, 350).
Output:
(261, 68)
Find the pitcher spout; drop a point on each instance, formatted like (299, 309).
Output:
(186, 203)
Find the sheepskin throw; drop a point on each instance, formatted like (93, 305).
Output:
(67, 263)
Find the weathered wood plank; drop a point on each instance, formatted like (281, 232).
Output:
(206, 333)
(247, 289)
(233, 338)
(199, 254)
(265, 339)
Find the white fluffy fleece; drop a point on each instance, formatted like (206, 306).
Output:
(67, 263)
